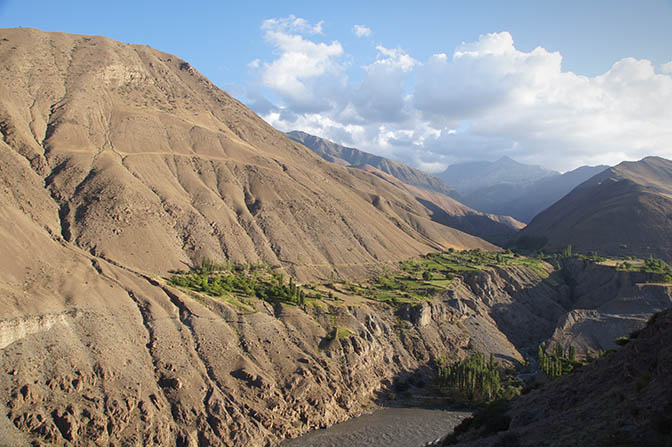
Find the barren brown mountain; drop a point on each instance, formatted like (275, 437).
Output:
(153, 167)
(625, 210)
(120, 162)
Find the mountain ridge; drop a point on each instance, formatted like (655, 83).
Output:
(598, 214)
(429, 191)
(349, 156)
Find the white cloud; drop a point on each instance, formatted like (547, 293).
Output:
(381, 97)
(485, 100)
(305, 74)
(666, 68)
(292, 24)
(254, 64)
(361, 30)
(523, 105)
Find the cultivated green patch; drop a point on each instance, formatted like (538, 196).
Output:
(232, 282)
(411, 281)
(651, 265)
(658, 267)
(419, 279)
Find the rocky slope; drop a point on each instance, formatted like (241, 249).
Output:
(428, 190)
(141, 160)
(623, 399)
(624, 211)
(130, 360)
(606, 304)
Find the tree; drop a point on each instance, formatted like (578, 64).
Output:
(567, 251)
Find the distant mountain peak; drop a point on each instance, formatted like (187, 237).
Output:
(506, 159)
(471, 176)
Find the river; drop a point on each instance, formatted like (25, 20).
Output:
(389, 427)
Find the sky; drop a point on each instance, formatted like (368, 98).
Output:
(555, 83)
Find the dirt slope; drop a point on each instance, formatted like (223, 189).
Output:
(625, 210)
(149, 164)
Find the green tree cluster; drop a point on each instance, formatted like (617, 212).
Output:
(472, 378)
(659, 266)
(557, 363)
(219, 280)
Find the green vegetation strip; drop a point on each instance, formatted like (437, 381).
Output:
(476, 381)
(418, 279)
(413, 281)
(243, 280)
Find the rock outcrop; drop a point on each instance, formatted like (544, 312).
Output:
(606, 304)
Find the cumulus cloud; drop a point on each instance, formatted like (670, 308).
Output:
(482, 100)
(381, 97)
(361, 30)
(522, 104)
(306, 74)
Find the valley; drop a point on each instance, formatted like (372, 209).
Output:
(176, 271)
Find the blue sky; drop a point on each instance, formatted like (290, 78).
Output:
(557, 83)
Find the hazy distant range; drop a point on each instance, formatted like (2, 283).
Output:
(504, 187)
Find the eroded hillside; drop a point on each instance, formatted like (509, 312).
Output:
(147, 163)
(623, 399)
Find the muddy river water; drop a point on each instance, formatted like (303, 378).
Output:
(389, 427)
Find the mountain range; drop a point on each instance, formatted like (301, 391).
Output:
(511, 188)
(499, 189)
(430, 191)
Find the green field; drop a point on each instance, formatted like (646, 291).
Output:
(419, 279)
(411, 281)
